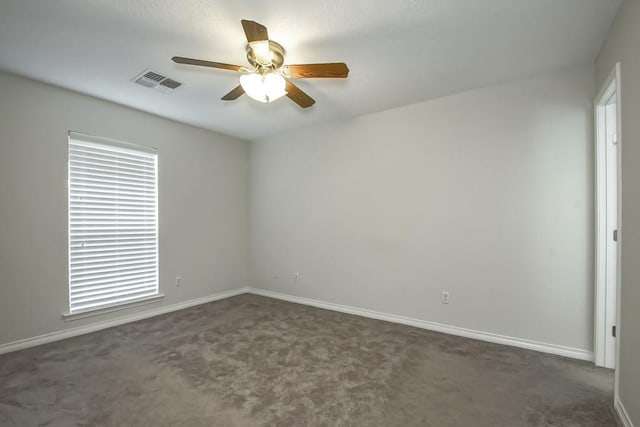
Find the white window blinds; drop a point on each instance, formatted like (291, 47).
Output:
(113, 223)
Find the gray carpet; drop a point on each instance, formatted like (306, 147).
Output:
(254, 361)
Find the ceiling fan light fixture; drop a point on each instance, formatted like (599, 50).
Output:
(266, 80)
(262, 52)
(263, 87)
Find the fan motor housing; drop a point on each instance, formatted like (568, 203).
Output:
(277, 56)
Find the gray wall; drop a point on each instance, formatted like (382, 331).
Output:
(487, 194)
(203, 191)
(622, 46)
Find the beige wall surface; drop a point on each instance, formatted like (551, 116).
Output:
(203, 191)
(486, 194)
(622, 46)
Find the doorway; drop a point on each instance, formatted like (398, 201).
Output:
(607, 277)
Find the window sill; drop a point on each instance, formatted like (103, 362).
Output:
(104, 310)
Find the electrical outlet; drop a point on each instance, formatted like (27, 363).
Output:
(296, 277)
(178, 281)
(445, 297)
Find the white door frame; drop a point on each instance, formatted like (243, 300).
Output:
(610, 87)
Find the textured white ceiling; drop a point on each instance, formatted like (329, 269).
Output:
(399, 52)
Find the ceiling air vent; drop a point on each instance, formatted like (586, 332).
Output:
(156, 81)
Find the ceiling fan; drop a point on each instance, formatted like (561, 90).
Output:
(267, 79)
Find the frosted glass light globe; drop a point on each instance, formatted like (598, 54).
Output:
(263, 88)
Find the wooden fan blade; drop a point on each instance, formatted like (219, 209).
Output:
(329, 70)
(234, 94)
(298, 96)
(191, 61)
(255, 32)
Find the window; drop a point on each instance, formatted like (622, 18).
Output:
(113, 223)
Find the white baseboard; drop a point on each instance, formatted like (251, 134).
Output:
(97, 326)
(573, 353)
(423, 324)
(622, 414)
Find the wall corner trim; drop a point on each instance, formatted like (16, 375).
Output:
(623, 416)
(100, 325)
(558, 350)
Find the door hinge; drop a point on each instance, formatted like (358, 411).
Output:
(613, 331)
(615, 235)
